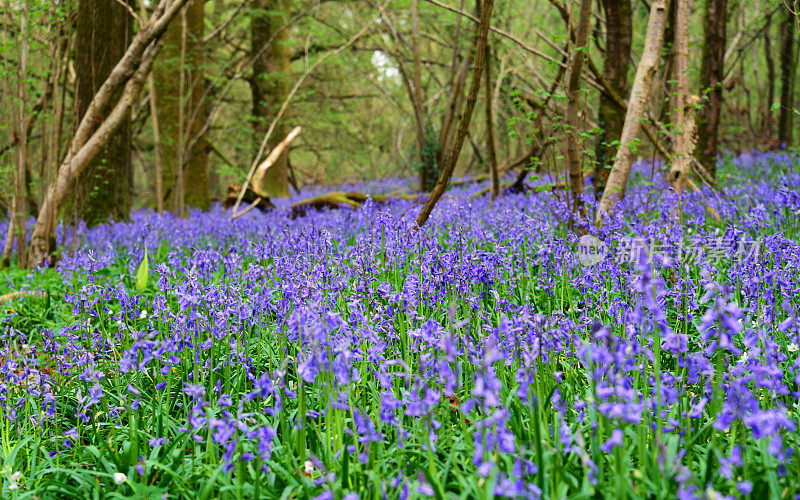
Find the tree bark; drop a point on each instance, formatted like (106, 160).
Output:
(492, 146)
(88, 139)
(712, 76)
(637, 102)
(452, 154)
(104, 189)
(770, 70)
(454, 105)
(788, 52)
(682, 118)
(16, 224)
(182, 111)
(610, 119)
(270, 83)
(574, 156)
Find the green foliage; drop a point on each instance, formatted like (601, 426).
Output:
(124, 456)
(143, 273)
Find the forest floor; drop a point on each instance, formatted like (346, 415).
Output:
(344, 354)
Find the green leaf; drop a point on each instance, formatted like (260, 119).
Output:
(143, 273)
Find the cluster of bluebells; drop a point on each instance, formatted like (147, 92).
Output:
(351, 344)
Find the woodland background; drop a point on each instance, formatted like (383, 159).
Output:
(378, 88)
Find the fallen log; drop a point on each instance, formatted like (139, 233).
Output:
(340, 199)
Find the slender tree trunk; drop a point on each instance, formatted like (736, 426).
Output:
(574, 149)
(458, 82)
(712, 75)
(158, 147)
(427, 168)
(492, 146)
(611, 118)
(104, 190)
(454, 105)
(270, 83)
(413, 85)
(8, 241)
(770, 70)
(20, 213)
(179, 80)
(788, 68)
(637, 103)
(452, 154)
(767, 120)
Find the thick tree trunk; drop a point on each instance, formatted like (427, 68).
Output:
(574, 156)
(611, 118)
(179, 81)
(104, 189)
(637, 103)
(712, 75)
(788, 68)
(682, 119)
(270, 84)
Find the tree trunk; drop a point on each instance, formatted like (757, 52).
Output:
(454, 105)
(574, 155)
(270, 83)
(788, 53)
(19, 213)
(104, 189)
(770, 72)
(182, 112)
(475, 84)
(611, 117)
(459, 72)
(92, 133)
(637, 102)
(712, 75)
(492, 146)
(682, 117)
(427, 165)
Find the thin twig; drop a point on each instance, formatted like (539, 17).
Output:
(494, 29)
(130, 10)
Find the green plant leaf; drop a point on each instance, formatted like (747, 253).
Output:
(143, 273)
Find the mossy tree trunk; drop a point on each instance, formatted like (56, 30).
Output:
(182, 111)
(270, 84)
(104, 189)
